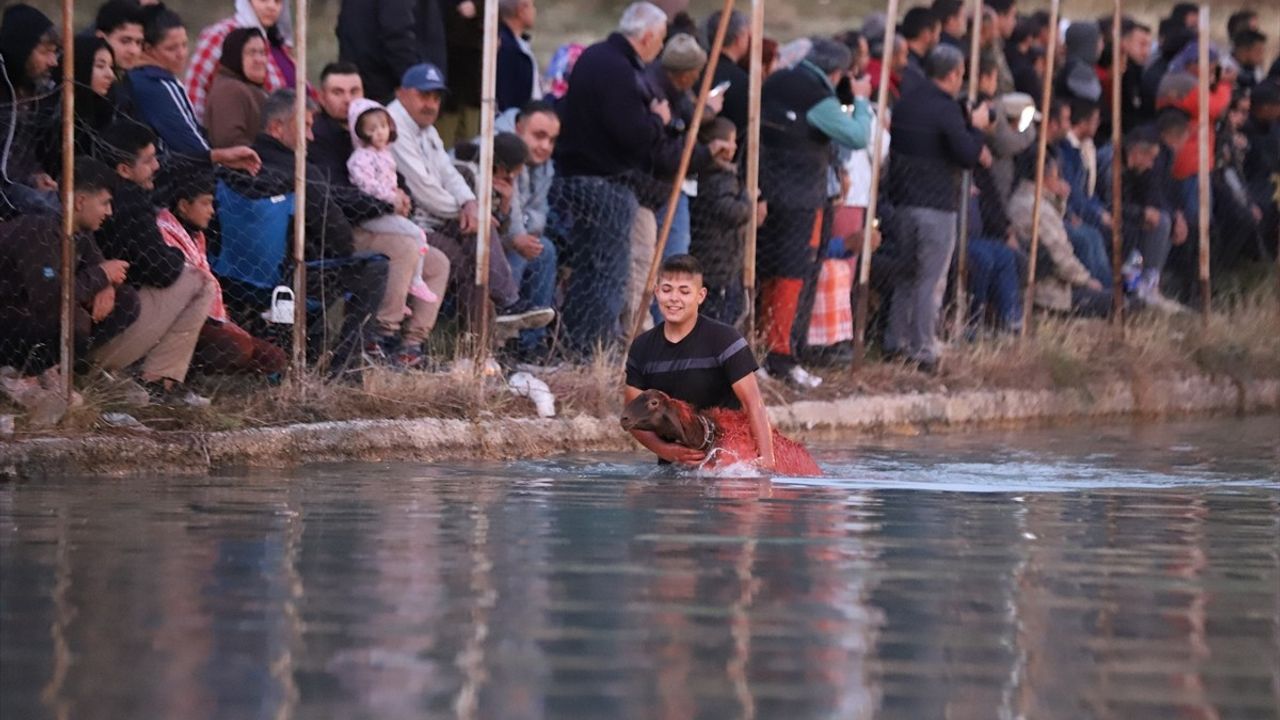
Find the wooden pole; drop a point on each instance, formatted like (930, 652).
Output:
(1118, 64)
(1041, 151)
(300, 201)
(484, 183)
(690, 140)
(1202, 131)
(68, 326)
(753, 160)
(873, 200)
(966, 188)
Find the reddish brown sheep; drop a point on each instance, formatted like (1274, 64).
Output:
(724, 434)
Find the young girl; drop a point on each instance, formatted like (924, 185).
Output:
(372, 168)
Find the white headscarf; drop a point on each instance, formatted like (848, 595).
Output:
(246, 17)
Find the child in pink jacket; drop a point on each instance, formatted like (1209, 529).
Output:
(372, 168)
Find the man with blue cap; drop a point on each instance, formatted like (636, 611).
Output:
(445, 205)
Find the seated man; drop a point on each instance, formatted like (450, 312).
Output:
(175, 297)
(696, 359)
(29, 53)
(1088, 220)
(362, 280)
(1063, 283)
(445, 206)
(161, 99)
(340, 85)
(531, 254)
(31, 285)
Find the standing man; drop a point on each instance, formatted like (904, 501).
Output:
(464, 47)
(737, 44)
(384, 38)
(800, 116)
(518, 76)
(610, 126)
(933, 143)
(920, 30)
(695, 359)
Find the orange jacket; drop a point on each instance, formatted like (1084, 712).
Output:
(1187, 158)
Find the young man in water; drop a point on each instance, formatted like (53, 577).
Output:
(695, 359)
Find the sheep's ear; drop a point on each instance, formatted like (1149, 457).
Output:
(677, 427)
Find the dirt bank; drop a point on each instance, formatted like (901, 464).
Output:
(435, 439)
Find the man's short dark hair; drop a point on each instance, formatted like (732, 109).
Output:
(1182, 11)
(918, 21)
(123, 141)
(1056, 105)
(1248, 38)
(157, 21)
(1141, 135)
(535, 107)
(1172, 119)
(942, 61)
(1128, 26)
(944, 10)
(509, 151)
(92, 176)
(1001, 7)
(738, 25)
(1082, 110)
(341, 67)
(115, 14)
(1240, 20)
(680, 265)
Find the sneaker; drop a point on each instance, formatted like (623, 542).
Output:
(1151, 297)
(526, 320)
(176, 396)
(408, 356)
(802, 378)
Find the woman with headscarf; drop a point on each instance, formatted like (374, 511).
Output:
(268, 16)
(237, 90)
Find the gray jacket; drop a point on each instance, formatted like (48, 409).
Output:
(529, 206)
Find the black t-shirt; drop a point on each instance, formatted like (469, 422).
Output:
(700, 369)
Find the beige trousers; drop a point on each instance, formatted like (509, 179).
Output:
(644, 240)
(166, 330)
(402, 254)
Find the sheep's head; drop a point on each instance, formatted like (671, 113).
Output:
(670, 419)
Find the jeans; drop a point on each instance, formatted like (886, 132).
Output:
(1091, 250)
(1153, 244)
(993, 281)
(537, 279)
(590, 224)
(928, 238)
(677, 242)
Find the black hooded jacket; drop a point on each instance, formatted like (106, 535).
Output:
(24, 121)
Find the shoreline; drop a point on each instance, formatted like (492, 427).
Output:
(429, 439)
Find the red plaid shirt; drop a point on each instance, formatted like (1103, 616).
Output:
(831, 320)
(204, 62)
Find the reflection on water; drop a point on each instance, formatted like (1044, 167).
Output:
(1083, 573)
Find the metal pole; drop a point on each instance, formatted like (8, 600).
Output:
(300, 201)
(966, 188)
(873, 200)
(1202, 131)
(68, 327)
(1041, 151)
(1118, 64)
(753, 159)
(690, 139)
(484, 183)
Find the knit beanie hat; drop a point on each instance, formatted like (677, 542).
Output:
(683, 53)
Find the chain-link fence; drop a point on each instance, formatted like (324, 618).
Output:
(184, 267)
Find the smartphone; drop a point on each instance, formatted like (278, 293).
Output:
(718, 90)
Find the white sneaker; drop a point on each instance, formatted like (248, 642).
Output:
(1152, 298)
(802, 378)
(527, 320)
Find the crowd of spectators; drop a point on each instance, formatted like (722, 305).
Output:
(185, 169)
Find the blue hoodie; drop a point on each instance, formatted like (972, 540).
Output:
(161, 102)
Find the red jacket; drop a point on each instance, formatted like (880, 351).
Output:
(1186, 160)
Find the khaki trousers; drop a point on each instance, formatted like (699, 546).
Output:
(166, 330)
(644, 241)
(402, 254)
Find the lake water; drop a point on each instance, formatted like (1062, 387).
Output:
(1079, 572)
